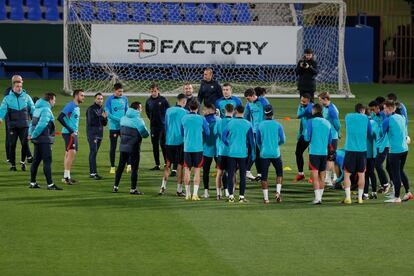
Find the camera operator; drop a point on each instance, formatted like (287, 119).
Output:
(306, 70)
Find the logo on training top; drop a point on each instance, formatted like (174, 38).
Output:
(148, 45)
(76, 116)
(115, 108)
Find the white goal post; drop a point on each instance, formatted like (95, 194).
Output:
(248, 43)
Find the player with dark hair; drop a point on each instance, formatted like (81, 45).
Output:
(319, 136)
(210, 89)
(269, 137)
(116, 106)
(193, 128)
(155, 107)
(18, 106)
(42, 135)
(254, 113)
(238, 136)
(132, 131)
(222, 152)
(227, 98)
(330, 113)
(358, 130)
(69, 118)
(395, 126)
(174, 143)
(400, 107)
(304, 113)
(306, 71)
(260, 91)
(96, 120)
(210, 143)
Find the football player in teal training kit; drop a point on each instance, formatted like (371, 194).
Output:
(174, 143)
(395, 126)
(69, 118)
(319, 136)
(254, 113)
(330, 113)
(227, 98)
(116, 106)
(269, 137)
(210, 143)
(223, 151)
(193, 128)
(304, 113)
(358, 129)
(238, 136)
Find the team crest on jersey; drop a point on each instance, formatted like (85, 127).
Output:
(212, 87)
(76, 116)
(116, 109)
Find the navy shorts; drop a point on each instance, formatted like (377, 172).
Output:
(222, 162)
(332, 150)
(265, 164)
(317, 162)
(355, 162)
(174, 154)
(193, 159)
(71, 141)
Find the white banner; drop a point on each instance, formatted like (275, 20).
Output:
(198, 44)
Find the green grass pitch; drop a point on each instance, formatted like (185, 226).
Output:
(85, 229)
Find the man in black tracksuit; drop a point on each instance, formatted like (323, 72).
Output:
(96, 119)
(306, 70)
(210, 90)
(155, 108)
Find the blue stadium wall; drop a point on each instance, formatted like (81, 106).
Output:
(36, 51)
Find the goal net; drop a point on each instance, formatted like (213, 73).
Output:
(247, 43)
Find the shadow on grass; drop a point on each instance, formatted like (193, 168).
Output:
(151, 201)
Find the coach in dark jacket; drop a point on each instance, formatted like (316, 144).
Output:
(210, 90)
(96, 119)
(155, 108)
(307, 70)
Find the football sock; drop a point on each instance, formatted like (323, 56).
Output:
(328, 176)
(179, 188)
(320, 194)
(278, 188)
(265, 194)
(301, 173)
(187, 190)
(360, 193)
(348, 192)
(317, 194)
(66, 174)
(164, 184)
(195, 191)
